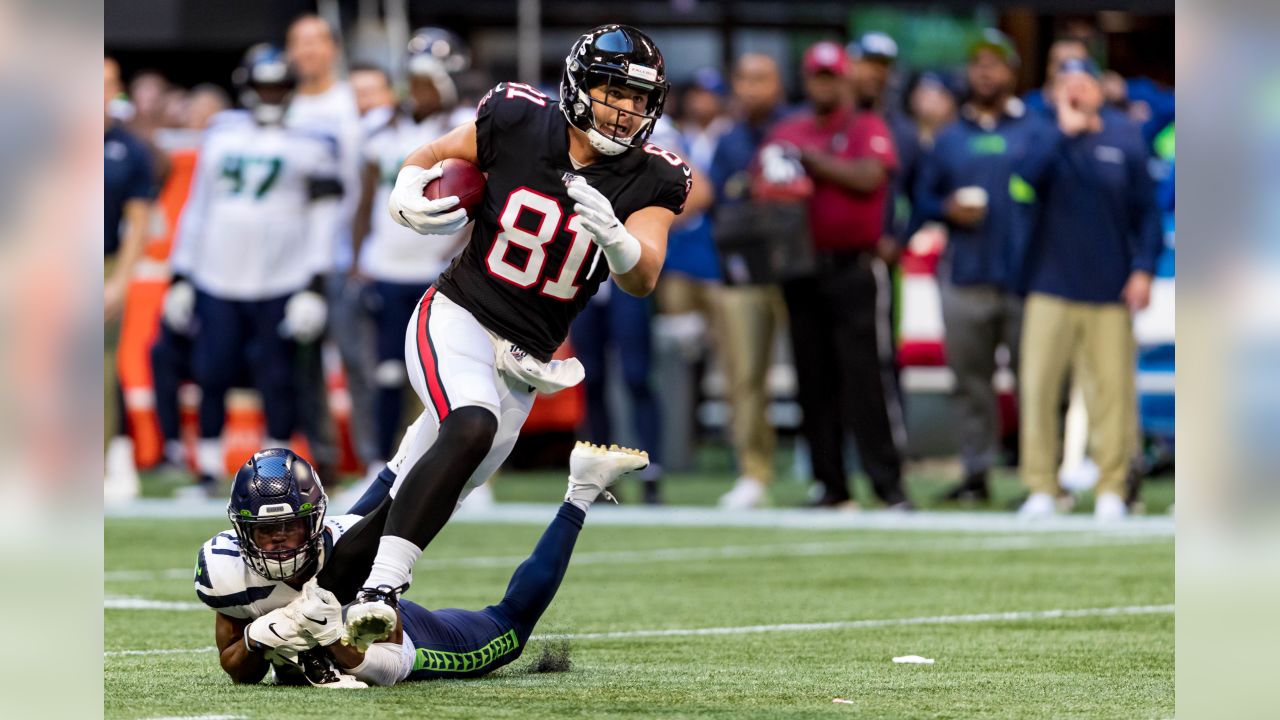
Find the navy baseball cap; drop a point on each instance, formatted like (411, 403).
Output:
(997, 42)
(874, 46)
(709, 79)
(1076, 65)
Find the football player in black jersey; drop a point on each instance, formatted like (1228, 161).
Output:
(574, 194)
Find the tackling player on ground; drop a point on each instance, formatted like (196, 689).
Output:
(574, 195)
(266, 581)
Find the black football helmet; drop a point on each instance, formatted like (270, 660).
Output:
(277, 499)
(265, 83)
(440, 55)
(619, 56)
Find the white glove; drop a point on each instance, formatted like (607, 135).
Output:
(428, 217)
(305, 314)
(620, 247)
(318, 614)
(279, 636)
(179, 307)
(778, 167)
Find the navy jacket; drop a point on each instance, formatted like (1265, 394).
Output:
(967, 154)
(127, 168)
(1099, 220)
(731, 164)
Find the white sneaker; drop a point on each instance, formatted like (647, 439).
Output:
(1038, 507)
(121, 483)
(747, 493)
(593, 468)
(1109, 508)
(478, 500)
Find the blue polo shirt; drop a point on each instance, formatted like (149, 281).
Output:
(127, 167)
(1098, 219)
(982, 154)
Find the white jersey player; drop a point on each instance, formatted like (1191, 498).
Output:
(254, 241)
(399, 263)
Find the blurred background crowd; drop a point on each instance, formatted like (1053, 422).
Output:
(930, 246)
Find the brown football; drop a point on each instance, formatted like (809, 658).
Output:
(460, 178)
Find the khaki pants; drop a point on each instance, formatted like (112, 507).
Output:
(750, 315)
(1095, 344)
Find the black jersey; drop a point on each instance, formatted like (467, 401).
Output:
(530, 267)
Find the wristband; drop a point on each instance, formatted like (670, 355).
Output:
(623, 253)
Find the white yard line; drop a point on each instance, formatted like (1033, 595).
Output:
(857, 624)
(1018, 616)
(135, 603)
(787, 518)
(731, 552)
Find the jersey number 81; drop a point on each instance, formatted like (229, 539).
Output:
(561, 287)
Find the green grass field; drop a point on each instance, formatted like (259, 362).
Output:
(1035, 664)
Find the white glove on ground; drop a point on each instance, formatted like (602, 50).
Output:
(305, 314)
(318, 614)
(777, 167)
(280, 636)
(179, 307)
(620, 247)
(428, 217)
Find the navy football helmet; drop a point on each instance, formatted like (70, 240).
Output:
(265, 83)
(277, 508)
(614, 56)
(440, 55)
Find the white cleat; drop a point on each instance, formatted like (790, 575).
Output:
(1109, 508)
(372, 617)
(593, 468)
(1038, 506)
(747, 493)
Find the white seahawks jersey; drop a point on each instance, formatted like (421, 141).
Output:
(392, 252)
(225, 583)
(334, 111)
(264, 203)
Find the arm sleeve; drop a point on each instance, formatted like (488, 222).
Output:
(1043, 152)
(872, 139)
(501, 112)
(386, 663)
(931, 188)
(1146, 234)
(141, 178)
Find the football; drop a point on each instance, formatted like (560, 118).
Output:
(460, 178)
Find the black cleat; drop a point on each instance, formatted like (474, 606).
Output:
(372, 616)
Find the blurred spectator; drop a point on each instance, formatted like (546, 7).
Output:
(203, 103)
(1040, 100)
(691, 273)
(254, 244)
(968, 183)
(372, 88)
(931, 106)
(751, 311)
(871, 60)
(129, 187)
(1090, 268)
(148, 93)
(395, 264)
(840, 317)
(327, 104)
(171, 352)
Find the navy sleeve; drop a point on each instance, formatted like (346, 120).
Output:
(501, 112)
(1043, 152)
(720, 170)
(1146, 236)
(141, 184)
(931, 188)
